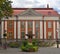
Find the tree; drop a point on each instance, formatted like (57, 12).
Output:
(5, 11)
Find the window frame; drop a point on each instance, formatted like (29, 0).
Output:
(49, 24)
(10, 24)
(30, 24)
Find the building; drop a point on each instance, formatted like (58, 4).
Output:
(42, 22)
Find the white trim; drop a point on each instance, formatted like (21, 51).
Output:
(18, 29)
(26, 27)
(44, 29)
(30, 18)
(41, 30)
(14, 29)
(54, 30)
(2, 28)
(33, 27)
(58, 29)
(6, 25)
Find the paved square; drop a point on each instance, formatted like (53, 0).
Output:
(40, 51)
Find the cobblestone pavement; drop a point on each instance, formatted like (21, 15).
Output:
(40, 51)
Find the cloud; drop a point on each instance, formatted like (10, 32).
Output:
(36, 3)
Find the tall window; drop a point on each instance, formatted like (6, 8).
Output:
(10, 24)
(30, 24)
(22, 29)
(49, 24)
(37, 34)
(37, 24)
(37, 29)
(49, 35)
(10, 34)
(22, 24)
(23, 34)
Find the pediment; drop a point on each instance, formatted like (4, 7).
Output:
(30, 12)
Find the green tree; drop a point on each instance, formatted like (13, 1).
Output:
(5, 11)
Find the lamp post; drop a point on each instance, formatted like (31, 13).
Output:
(57, 38)
(4, 35)
(16, 27)
(43, 28)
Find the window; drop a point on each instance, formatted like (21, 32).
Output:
(37, 34)
(22, 24)
(49, 24)
(23, 35)
(10, 24)
(30, 24)
(49, 35)
(37, 24)
(10, 35)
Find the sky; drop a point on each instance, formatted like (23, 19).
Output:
(55, 4)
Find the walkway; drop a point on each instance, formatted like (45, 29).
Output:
(40, 51)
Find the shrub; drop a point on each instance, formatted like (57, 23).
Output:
(35, 42)
(46, 44)
(29, 47)
(13, 44)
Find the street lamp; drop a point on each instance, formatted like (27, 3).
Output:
(4, 35)
(57, 38)
(16, 27)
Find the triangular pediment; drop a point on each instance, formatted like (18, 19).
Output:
(30, 12)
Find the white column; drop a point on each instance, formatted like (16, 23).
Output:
(18, 29)
(41, 30)
(14, 29)
(58, 29)
(2, 29)
(54, 30)
(6, 25)
(33, 27)
(26, 27)
(44, 29)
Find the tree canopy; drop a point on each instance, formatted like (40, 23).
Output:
(5, 8)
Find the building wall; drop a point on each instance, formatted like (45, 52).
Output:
(16, 28)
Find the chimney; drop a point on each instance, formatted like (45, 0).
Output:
(47, 5)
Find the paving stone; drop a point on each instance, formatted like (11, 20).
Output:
(42, 50)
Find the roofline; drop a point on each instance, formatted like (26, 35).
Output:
(33, 8)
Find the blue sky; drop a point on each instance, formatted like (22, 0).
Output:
(36, 4)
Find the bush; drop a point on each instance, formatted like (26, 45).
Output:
(45, 44)
(35, 42)
(13, 44)
(29, 47)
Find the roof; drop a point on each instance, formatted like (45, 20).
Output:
(43, 11)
